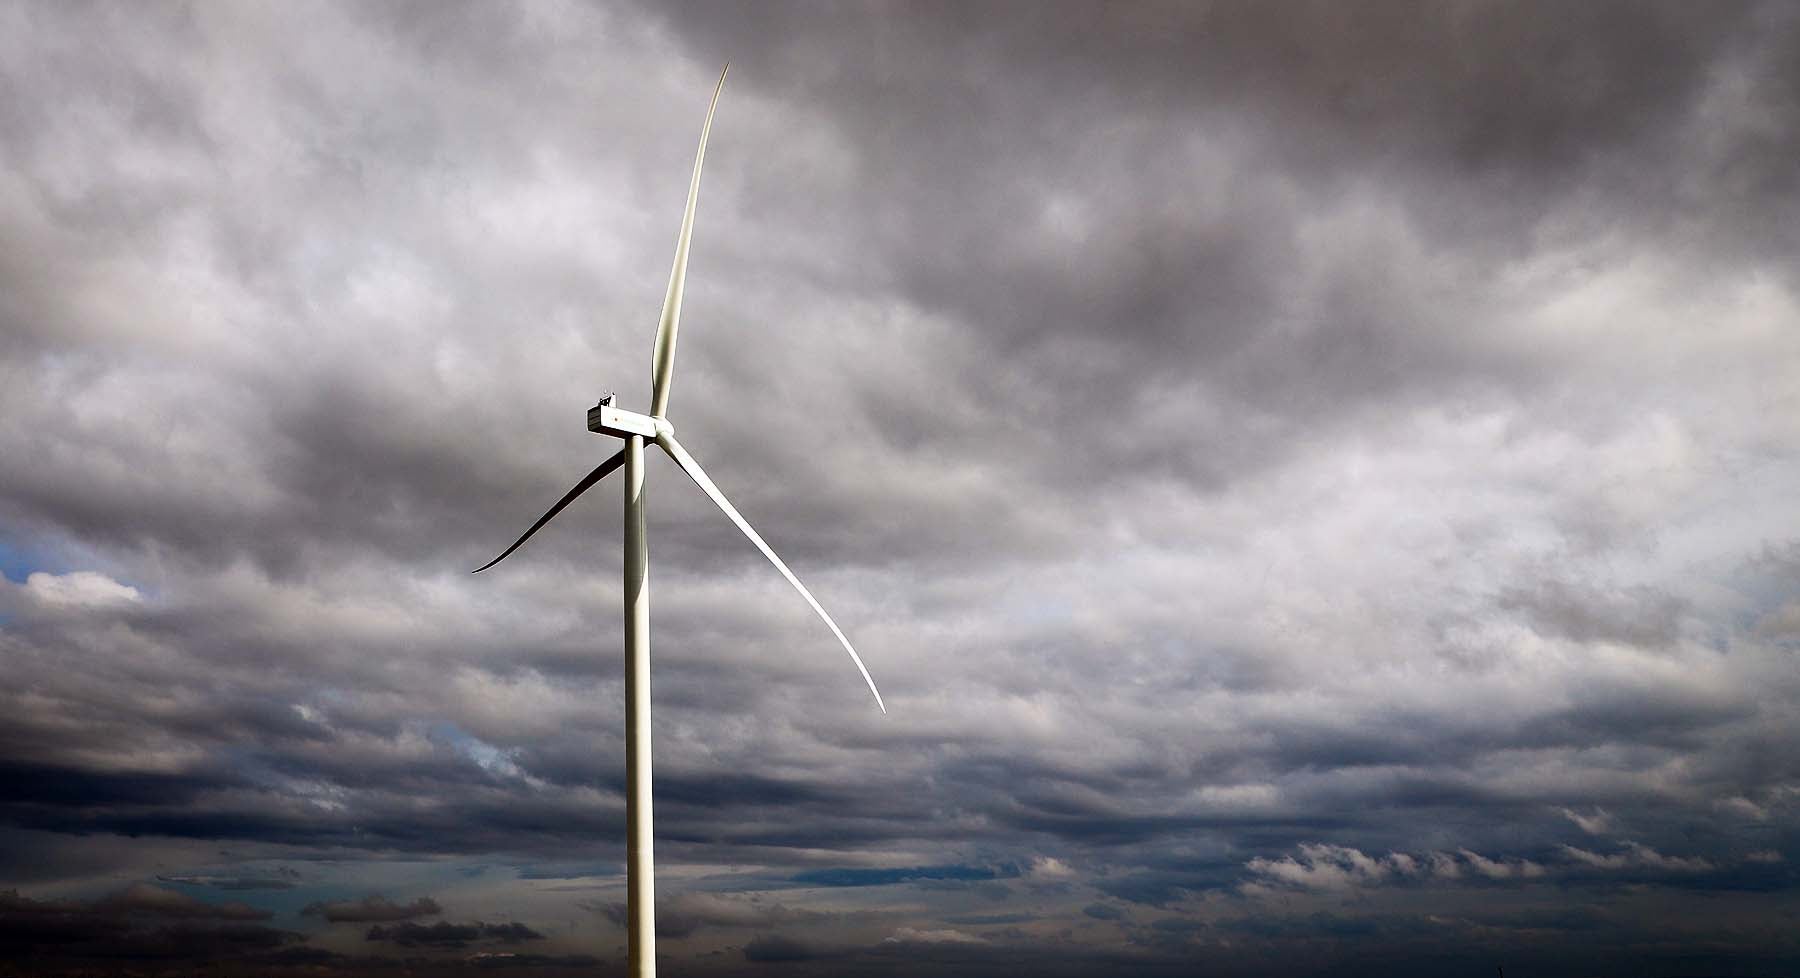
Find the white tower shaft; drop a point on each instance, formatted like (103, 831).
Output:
(640, 877)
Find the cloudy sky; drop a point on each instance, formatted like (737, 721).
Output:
(1314, 483)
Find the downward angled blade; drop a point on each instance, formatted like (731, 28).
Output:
(695, 472)
(662, 362)
(600, 472)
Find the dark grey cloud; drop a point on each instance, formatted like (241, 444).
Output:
(1312, 482)
(372, 908)
(776, 949)
(683, 916)
(284, 878)
(444, 934)
(883, 877)
(155, 901)
(132, 927)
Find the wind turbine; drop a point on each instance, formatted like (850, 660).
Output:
(635, 429)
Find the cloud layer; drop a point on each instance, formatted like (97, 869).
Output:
(1312, 482)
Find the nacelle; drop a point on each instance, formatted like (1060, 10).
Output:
(609, 420)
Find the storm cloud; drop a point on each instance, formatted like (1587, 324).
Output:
(1313, 482)
(372, 908)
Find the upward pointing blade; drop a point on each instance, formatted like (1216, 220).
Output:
(662, 361)
(692, 468)
(601, 471)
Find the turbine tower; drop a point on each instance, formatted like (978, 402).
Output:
(636, 429)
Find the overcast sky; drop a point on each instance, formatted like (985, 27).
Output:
(1315, 485)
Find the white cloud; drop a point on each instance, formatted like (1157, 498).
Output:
(1238, 797)
(1741, 806)
(79, 589)
(1637, 856)
(912, 935)
(1333, 867)
(1597, 823)
(1499, 870)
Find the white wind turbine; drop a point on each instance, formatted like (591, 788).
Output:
(635, 429)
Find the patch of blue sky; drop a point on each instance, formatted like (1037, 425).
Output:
(19, 561)
(488, 757)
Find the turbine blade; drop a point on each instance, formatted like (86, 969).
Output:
(662, 362)
(601, 471)
(695, 472)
